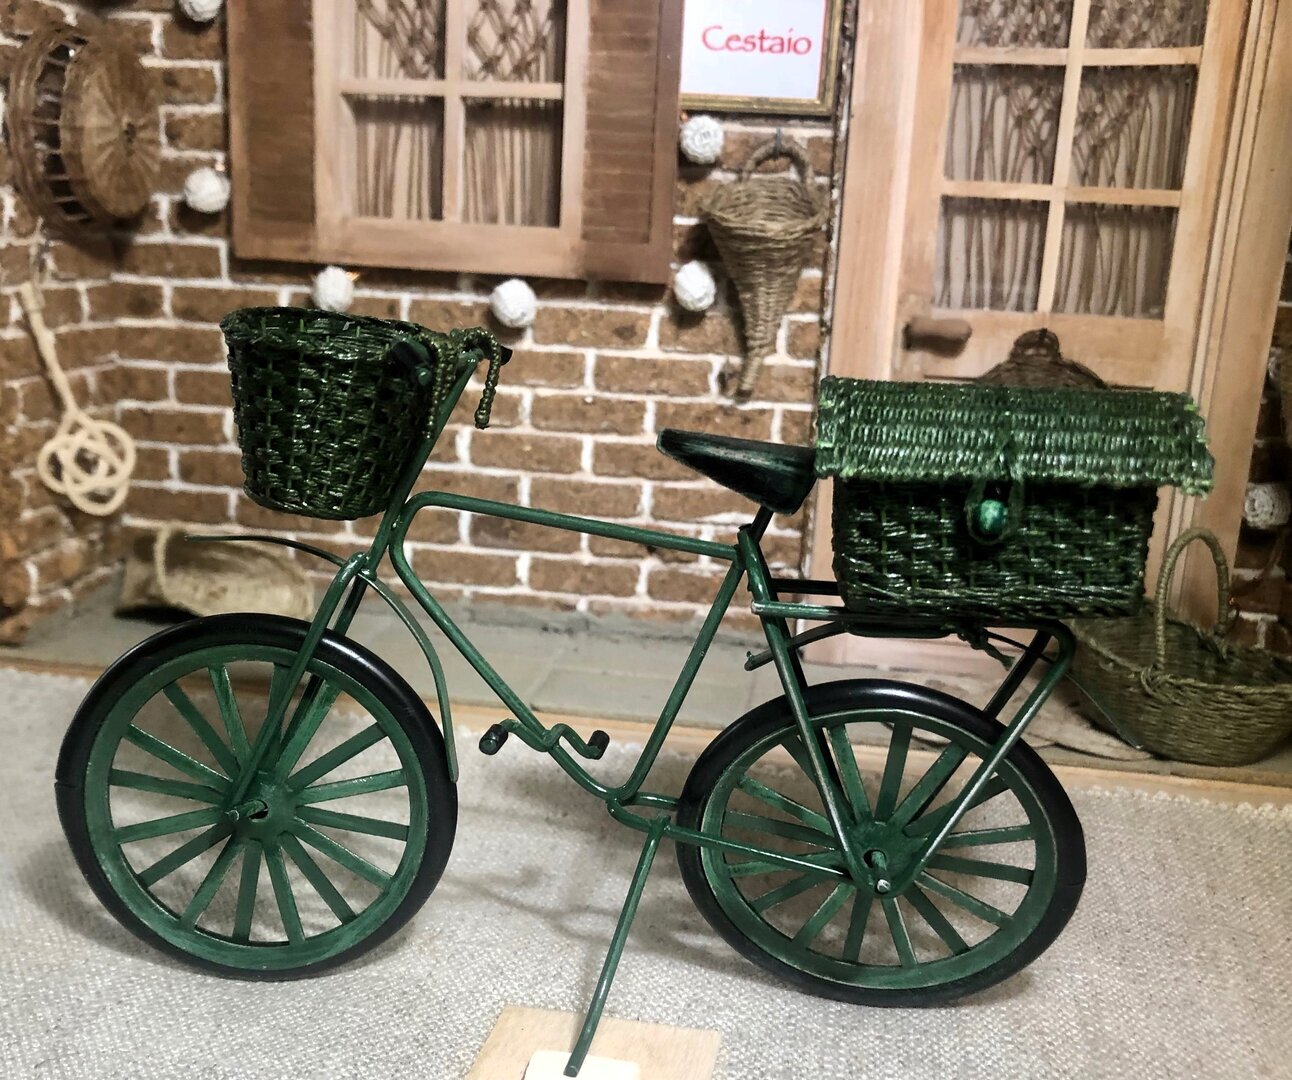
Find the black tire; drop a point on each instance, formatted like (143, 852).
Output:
(339, 654)
(833, 699)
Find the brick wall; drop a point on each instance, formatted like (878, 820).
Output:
(49, 554)
(603, 369)
(1266, 601)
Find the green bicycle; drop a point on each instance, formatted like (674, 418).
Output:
(264, 798)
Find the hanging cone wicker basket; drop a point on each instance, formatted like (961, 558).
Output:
(764, 228)
(172, 571)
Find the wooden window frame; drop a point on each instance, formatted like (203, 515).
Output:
(550, 251)
(618, 157)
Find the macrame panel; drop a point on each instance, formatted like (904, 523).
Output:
(1132, 126)
(1115, 260)
(394, 39)
(1015, 23)
(398, 156)
(1146, 24)
(1003, 123)
(513, 163)
(989, 254)
(515, 40)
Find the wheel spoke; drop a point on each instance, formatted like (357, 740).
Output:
(787, 829)
(284, 896)
(247, 885)
(784, 803)
(979, 837)
(336, 757)
(316, 703)
(894, 768)
(930, 785)
(361, 785)
(279, 694)
(981, 868)
(857, 927)
(897, 927)
(176, 759)
(201, 726)
(183, 855)
(316, 877)
(795, 887)
(793, 745)
(211, 883)
(959, 897)
(353, 823)
(827, 860)
(849, 773)
(165, 826)
(229, 713)
(338, 853)
(180, 789)
(934, 819)
(929, 912)
(830, 906)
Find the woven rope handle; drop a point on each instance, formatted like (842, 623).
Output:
(1224, 615)
(778, 148)
(483, 341)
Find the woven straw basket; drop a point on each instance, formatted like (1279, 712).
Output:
(213, 579)
(764, 228)
(1184, 692)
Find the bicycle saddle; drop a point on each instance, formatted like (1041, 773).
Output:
(775, 476)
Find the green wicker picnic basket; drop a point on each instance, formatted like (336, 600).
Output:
(326, 419)
(1181, 691)
(1000, 502)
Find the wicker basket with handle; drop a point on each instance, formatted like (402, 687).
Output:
(325, 419)
(1184, 692)
(764, 228)
(1000, 502)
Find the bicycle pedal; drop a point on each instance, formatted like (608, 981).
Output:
(492, 740)
(597, 744)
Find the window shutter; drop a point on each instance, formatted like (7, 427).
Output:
(630, 163)
(271, 120)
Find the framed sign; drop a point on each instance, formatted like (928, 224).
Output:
(774, 56)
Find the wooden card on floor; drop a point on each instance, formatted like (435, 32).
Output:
(661, 1051)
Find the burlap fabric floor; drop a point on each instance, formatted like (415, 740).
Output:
(1177, 964)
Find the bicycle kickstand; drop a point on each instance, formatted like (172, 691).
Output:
(580, 1052)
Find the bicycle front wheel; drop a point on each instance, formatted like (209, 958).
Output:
(268, 870)
(994, 895)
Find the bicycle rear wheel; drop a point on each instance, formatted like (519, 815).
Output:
(343, 830)
(992, 898)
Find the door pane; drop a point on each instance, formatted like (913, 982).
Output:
(989, 254)
(398, 157)
(1003, 123)
(1133, 126)
(1115, 260)
(513, 163)
(1139, 24)
(398, 39)
(1026, 23)
(515, 40)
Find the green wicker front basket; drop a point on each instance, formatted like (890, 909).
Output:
(1000, 502)
(324, 419)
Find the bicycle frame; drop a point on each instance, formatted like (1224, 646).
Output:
(359, 572)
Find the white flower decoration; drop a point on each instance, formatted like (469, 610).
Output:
(206, 191)
(702, 139)
(514, 304)
(694, 287)
(333, 289)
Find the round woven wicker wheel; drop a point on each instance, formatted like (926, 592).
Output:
(111, 132)
(84, 128)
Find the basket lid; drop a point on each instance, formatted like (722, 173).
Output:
(937, 432)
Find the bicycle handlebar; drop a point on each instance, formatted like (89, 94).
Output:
(416, 356)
